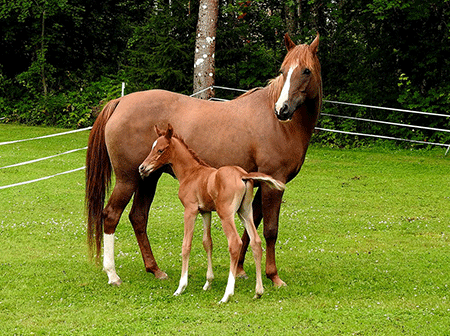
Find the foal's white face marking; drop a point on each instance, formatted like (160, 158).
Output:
(285, 91)
(154, 144)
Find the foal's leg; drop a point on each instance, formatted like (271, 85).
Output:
(119, 199)
(234, 247)
(189, 222)
(139, 217)
(257, 217)
(246, 215)
(207, 244)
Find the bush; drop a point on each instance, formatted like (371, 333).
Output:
(70, 109)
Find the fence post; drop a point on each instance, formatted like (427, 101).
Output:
(123, 89)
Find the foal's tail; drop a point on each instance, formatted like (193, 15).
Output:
(270, 181)
(98, 178)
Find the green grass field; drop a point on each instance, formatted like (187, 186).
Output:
(363, 246)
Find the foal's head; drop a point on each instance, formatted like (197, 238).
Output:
(300, 78)
(160, 153)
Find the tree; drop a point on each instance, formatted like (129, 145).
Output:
(205, 46)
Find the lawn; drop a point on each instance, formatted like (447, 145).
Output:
(363, 247)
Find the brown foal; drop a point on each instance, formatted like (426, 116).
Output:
(227, 190)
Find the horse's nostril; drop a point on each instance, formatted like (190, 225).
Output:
(284, 108)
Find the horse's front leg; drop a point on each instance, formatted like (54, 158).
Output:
(143, 199)
(189, 222)
(271, 203)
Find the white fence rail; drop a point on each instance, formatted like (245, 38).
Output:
(44, 158)
(241, 91)
(367, 120)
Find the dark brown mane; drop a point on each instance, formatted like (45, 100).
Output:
(194, 154)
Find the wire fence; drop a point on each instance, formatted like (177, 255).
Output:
(44, 158)
(384, 137)
(434, 129)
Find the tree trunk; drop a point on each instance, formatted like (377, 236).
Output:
(205, 45)
(42, 56)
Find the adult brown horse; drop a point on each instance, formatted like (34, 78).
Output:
(266, 130)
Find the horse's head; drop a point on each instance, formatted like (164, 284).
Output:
(300, 78)
(160, 153)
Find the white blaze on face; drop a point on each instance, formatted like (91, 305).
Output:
(285, 91)
(154, 144)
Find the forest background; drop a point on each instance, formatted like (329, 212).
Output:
(61, 60)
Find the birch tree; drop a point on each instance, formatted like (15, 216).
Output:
(205, 45)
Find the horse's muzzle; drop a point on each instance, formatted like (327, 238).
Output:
(285, 113)
(144, 171)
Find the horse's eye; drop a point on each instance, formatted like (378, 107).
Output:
(306, 71)
(160, 151)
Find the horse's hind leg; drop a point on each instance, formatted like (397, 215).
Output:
(139, 217)
(111, 214)
(245, 213)
(207, 244)
(234, 247)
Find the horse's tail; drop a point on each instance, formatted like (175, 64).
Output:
(270, 181)
(98, 179)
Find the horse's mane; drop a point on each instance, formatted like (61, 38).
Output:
(194, 154)
(299, 55)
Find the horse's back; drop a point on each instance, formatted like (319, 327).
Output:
(217, 131)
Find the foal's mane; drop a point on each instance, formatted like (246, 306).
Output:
(194, 154)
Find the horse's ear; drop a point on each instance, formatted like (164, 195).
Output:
(315, 44)
(158, 131)
(169, 132)
(288, 42)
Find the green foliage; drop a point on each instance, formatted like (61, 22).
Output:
(162, 57)
(66, 109)
(61, 59)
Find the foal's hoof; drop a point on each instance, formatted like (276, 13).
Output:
(161, 275)
(257, 295)
(116, 283)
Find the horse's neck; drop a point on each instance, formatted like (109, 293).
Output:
(183, 163)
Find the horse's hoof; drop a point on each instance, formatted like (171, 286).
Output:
(161, 275)
(241, 274)
(277, 282)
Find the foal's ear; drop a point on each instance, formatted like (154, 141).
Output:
(158, 131)
(169, 132)
(315, 44)
(288, 42)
